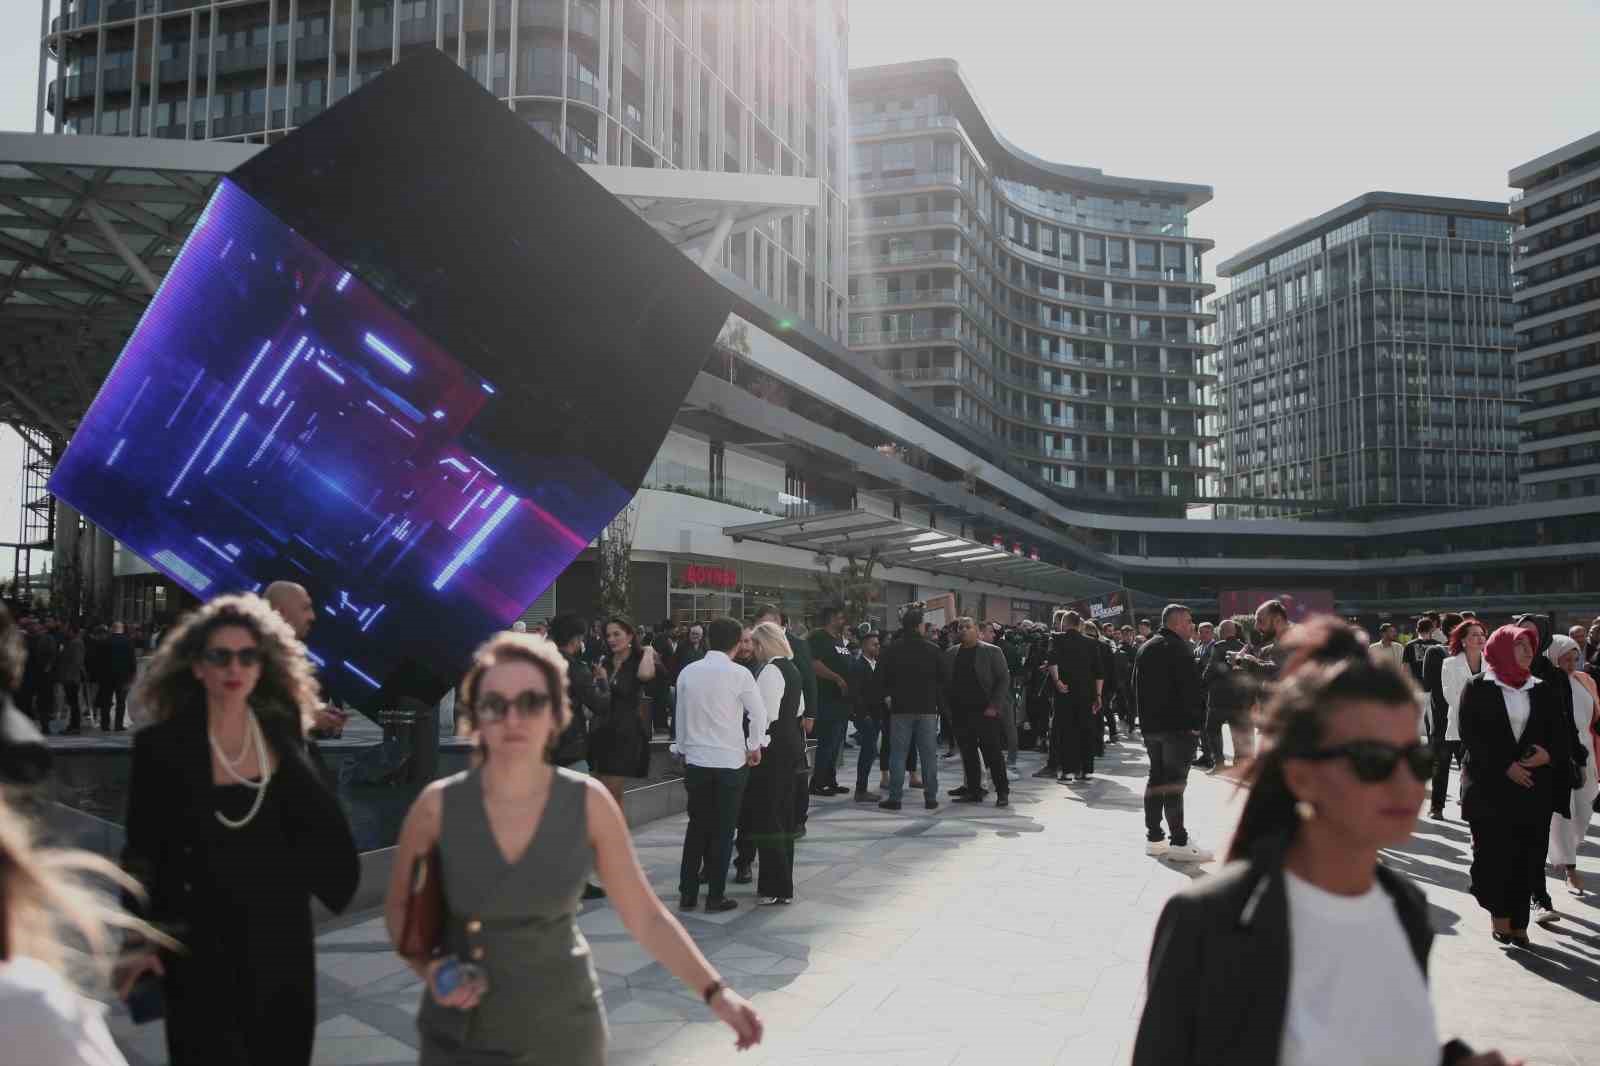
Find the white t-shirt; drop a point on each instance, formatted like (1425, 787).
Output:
(1356, 994)
(46, 1020)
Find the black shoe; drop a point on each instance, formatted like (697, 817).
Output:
(863, 796)
(1202, 764)
(838, 790)
(1437, 816)
(931, 805)
(970, 798)
(688, 903)
(800, 833)
(1047, 771)
(1002, 801)
(742, 875)
(593, 892)
(1063, 777)
(959, 791)
(889, 805)
(822, 791)
(717, 906)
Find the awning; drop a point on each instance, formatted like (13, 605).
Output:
(896, 543)
(88, 226)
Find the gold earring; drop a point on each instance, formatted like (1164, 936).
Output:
(1306, 810)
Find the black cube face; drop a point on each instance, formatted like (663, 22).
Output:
(411, 357)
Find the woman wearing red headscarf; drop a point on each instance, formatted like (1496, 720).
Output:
(1515, 743)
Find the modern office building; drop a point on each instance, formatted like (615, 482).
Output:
(1556, 286)
(1365, 361)
(691, 85)
(1054, 309)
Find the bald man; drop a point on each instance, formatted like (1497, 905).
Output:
(293, 604)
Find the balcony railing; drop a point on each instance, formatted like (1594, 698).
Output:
(902, 336)
(908, 181)
(896, 299)
(906, 124)
(925, 218)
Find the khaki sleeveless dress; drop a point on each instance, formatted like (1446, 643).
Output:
(519, 923)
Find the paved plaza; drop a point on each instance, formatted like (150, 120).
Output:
(970, 936)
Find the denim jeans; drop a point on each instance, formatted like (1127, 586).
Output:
(1170, 755)
(867, 743)
(923, 731)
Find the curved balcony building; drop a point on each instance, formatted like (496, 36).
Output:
(756, 87)
(1056, 308)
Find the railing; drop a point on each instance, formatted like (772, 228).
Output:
(932, 177)
(668, 476)
(903, 125)
(895, 299)
(929, 373)
(925, 218)
(903, 336)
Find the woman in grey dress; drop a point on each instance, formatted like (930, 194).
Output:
(516, 839)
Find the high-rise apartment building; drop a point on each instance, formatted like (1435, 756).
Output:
(1366, 360)
(1054, 308)
(1556, 286)
(756, 87)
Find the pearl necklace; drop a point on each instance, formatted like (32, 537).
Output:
(252, 738)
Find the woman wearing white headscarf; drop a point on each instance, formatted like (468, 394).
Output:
(1566, 834)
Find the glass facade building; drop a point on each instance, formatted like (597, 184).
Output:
(756, 87)
(1054, 308)
(1556, 286)
(1365, 361)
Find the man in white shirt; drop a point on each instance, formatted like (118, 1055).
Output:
(1387, 648)
(714, 696)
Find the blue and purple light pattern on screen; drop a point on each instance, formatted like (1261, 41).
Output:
(273, 418)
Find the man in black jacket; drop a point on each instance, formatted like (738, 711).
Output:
(912, 671)
(1077, 674)
(1168, 691)
(589, 694)
(1439, 716)
(1228, 697)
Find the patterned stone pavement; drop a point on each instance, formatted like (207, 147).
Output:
(970, 936)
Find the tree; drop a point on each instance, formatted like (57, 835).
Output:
(615, 562)
(853, 588)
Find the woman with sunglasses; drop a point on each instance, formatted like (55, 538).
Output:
(1464, 664)
(231, 830)
(1515, 740)
(515, 839)
(1304, 948)
(1567, 834)
(619, 742)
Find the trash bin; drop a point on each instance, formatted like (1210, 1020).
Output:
(423, 730)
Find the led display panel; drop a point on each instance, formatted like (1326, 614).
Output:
(359, 427)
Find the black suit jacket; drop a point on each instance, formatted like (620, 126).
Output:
(867, 687)
(1492, 747)
(1219, 966)
(171, 821)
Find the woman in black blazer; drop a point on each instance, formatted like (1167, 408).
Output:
(1258, 963)
(1517, 759)
(232, 830)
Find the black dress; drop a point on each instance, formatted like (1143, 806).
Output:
(619, 746)
(770, 795)
(243, 990)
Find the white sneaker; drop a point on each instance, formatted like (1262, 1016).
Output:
(1187, 853)
(1156, 848)
(1543, 915)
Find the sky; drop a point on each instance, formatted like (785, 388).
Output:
(1284, 109)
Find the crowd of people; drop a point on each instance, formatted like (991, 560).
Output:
(232, 829)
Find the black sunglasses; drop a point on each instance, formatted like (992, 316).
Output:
(222, 658)
(494, 707)
(1374, 761)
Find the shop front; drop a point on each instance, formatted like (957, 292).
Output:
(702, 589)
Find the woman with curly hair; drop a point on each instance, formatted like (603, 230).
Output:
(513, 979)
(231, 830)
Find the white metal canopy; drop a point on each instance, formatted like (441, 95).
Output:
(898, 543)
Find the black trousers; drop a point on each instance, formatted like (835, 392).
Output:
(1508, 867)
(1170, 755)
(714, 799)
(975, 734)
(71, 691)
(1444, 751)
(1073, 733)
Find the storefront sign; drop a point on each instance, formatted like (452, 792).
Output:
(1112, 607)
(716, 577)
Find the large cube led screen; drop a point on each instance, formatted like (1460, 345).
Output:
(272, 418)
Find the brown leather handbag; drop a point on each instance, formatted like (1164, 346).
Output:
(423, 930)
